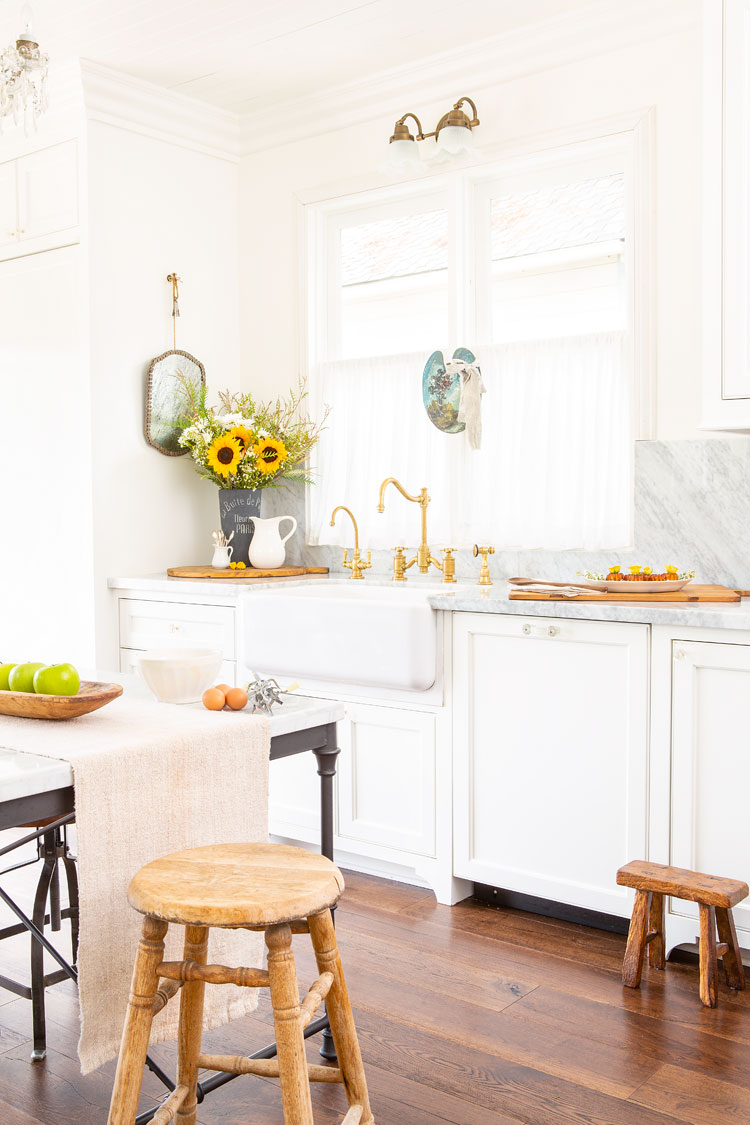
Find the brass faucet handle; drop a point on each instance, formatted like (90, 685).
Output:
(448, 565)
(399, 565)
(484, 574)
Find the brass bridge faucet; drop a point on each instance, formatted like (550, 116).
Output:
(423, 557)
(356, 564)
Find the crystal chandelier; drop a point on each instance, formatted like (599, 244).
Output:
(23, 77)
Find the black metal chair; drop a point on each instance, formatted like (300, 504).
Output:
(52, 850)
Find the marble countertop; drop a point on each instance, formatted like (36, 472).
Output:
(467, 597)
(23, 774)
(494, 599)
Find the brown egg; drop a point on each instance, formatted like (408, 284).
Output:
(236, 698)
(223, 687)
(214, 699)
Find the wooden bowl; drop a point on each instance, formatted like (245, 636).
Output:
(28, 705)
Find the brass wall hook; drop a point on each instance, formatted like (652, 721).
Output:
(174, 279)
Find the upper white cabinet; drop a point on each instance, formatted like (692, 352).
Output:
(8, 204)
(726, 191)
(710, 772)
(39, 200)
(550, 755)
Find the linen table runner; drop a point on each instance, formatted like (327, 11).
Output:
(150, 779)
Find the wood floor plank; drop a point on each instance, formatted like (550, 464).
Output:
(694, 1097)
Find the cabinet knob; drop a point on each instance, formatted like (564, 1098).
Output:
(540, 630)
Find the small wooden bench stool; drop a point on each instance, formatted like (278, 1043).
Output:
(279, 890)
(715, 897)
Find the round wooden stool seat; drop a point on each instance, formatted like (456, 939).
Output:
(232, 885)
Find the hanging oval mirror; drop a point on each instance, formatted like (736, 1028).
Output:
(165, 398)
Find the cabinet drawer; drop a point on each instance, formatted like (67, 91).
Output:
(147, 625)
(129, 663)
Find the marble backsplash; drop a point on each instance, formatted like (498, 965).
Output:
(692, 508)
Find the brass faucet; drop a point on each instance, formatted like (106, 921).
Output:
(423, 558)
(356, 564)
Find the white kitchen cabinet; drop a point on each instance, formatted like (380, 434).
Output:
(710, 774)
(385, 784)
(386, 780)
(39, 200)
(550, 752)
(48, 191)
(726, 225)
(148, 624)
(8, 204)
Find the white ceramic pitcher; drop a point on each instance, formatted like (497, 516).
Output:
(267, 550)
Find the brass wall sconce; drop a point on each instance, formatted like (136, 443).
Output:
(453, 137)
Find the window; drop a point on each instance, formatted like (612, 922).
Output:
(530, 265)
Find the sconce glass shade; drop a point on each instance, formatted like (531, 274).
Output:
(456, 140)
(403, 158)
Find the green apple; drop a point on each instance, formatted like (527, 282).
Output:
(57, 679)
(21, 677)
(5, 671)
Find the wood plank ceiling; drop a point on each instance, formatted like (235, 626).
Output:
(243, 55)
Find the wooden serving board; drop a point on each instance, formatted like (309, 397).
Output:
(689, 594)
(28, 705)
(240, 575)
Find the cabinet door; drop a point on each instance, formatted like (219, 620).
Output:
(736, 226)
(550, 755)
(710, 770)
(8, 204)
(48, 191)
(386, 779)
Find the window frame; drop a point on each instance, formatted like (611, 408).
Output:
(628, 135)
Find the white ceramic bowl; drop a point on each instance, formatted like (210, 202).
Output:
(180, 675)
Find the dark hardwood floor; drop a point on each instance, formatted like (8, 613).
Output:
(468, 1015)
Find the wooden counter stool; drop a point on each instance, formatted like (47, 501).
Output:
(715, 897)
(279, 890)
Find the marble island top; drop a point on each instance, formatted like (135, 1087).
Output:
(22, 774)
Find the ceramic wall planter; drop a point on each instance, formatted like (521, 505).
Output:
(236, 507)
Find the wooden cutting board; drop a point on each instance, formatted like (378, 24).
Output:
(241, 575)
(689, 594)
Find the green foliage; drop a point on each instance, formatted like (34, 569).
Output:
(281, 421)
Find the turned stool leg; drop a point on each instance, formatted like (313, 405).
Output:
(657, 954)
(707, 953)
(632, 965)
(191, 1023)
(340, 1015)
(129, 1076)
(734, 970)
(290, 1042)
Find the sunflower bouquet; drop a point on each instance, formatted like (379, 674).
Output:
(248, 444)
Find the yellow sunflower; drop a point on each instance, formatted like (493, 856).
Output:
(244, 437)
(225, 455)
(270, 454)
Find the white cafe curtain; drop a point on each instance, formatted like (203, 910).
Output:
(554, 470)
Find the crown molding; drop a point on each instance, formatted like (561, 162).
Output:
(602, 26)
(118, 99)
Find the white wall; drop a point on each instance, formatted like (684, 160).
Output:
(664, 73)
(46, 599)
(154, 207)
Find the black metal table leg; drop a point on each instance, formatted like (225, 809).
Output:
(326, 757)
(44, 886)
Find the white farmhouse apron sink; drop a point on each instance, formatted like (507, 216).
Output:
(372, 636)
